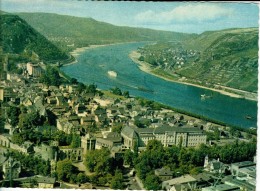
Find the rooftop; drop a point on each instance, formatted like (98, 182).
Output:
(221, 187)
(128, 131)
(165, 128)
(180, 180)
(243, 164)
(163, 172)
(240, 183)
(47, 180)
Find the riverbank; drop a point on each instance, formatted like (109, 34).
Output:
(145, 67)
(75, 53)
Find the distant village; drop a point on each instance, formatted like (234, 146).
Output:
(97, 120)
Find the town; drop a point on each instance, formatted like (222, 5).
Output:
(174, 61)
(59, 133)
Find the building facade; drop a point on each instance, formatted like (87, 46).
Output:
(167, 135)
(34, 70)
(88, 142)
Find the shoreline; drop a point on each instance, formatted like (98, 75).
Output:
(134, 55)
(76, 52)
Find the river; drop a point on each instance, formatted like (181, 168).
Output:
(93, 65)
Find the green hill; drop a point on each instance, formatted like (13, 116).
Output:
(206, 39)
(66, 31)
(17, 37)
(227, 57)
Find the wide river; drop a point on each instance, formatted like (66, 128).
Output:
(93, 65)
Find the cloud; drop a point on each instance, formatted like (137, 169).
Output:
(185, 13)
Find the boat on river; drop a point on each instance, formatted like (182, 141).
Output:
(112, 73)
(204, 96)
(248, 117)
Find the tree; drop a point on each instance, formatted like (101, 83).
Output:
(73, 81)
(171, 156)
(117, 128)
(81, 87)
(51, 77)
(32, 163)
(141, 58)
(139, 124)
(75, 142)
(1, 174)
(129, 157)
(154, 145)
(73, 178)
(196, 170)
(102, 180)
(82, 178)
(92, 88)
(61, 137)
(2, 124)
(217, 134)
(13, 114)
(126, 94)
(17, 138)
(181, 142)
(93, 127)
(99, 161)
(152, 182)
(150, 159)
(117, 180)
(65, 169)
(29, 120)
(116, 91)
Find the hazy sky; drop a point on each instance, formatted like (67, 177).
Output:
(171, 16)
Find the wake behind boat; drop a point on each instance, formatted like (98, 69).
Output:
(112, 73)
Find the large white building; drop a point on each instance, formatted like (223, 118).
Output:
(167, 135)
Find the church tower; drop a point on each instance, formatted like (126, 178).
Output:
(6, 64)
(206, 161)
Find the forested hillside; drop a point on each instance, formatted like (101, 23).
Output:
(17, 37)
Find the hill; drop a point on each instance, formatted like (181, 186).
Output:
(18, 38)
(71, 32)
(215, 58)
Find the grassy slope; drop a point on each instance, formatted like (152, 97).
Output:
(206, 39)
(230, 57)
(65, 30)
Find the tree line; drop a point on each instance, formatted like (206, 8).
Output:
(186, 160)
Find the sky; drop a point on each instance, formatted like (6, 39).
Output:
(185, 17)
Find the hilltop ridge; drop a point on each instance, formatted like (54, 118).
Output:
(70, 32)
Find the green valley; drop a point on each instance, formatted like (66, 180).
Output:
(87, 104)
(222, 59)
(71, 32)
